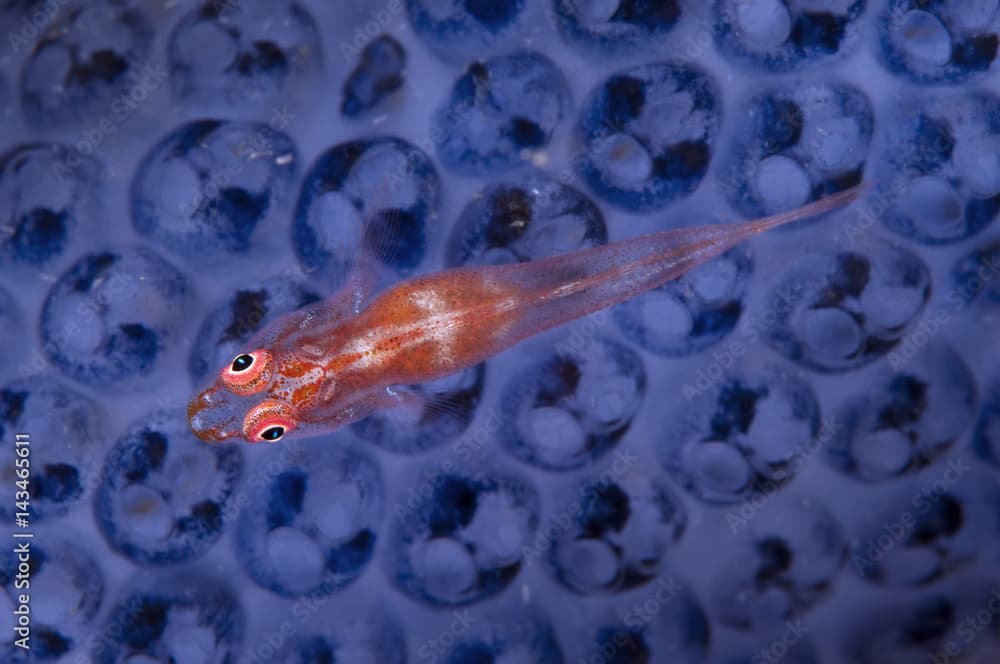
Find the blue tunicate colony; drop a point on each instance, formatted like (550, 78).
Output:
(791, 453)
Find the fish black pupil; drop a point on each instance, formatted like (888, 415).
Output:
(242, 362)
(272, 433)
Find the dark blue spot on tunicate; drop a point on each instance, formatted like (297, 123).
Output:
(626, 646)
(492, 14)
(9, 565)
(472, 653)
(378, 74)
(696, 85)
(494, 580)
(782, 124)
(851, 276)
(248, 310)
(40, 234)
(145, 456)
(38, 561)
(192, 135)
(625, 97)
(980, 212)
(265, 58)
(716, 321)
(933, 143)
(994, 119)
(241, 211)
(144, 625)
(331, 173)
(604, 507)
(287, 492)
(476, 75)
(312, 255)
(212, 10)
(944, 517)
(348, 558)
(12, 404)
(968, 271)
(976, 53)
(696, 627)
(736, 411)
(135, 341)
(524, 133)
(57, 483)
(682, 161)
(929, 622)
(510, 215)
(104, 66)
(908, 401)
(316, 650)
(839, 182)
(50, 644)
(775, 559)
(647, 12)
(818, 32)
(453, 507)
(88, 270)
(204, 520)
(559, 379)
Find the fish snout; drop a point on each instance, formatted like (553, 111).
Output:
(211, 415)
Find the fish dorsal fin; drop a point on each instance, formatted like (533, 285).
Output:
(377, 242)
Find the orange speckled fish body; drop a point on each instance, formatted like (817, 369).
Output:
(338, 361)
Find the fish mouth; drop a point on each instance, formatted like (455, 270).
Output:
(210, 416)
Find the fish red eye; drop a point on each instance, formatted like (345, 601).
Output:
(248, 373)
(269, 421)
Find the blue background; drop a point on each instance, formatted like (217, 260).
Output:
(790, 454)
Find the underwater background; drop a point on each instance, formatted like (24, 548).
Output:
(790, 454)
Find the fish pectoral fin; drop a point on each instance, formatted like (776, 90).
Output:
(404, 403)
(379, 245)
(418, 407)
